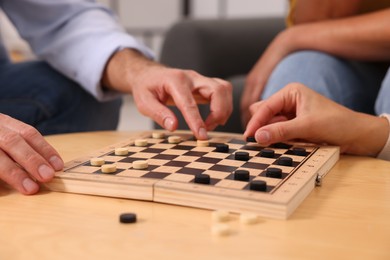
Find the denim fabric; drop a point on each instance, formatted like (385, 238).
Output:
(38, 95)
(353, 84)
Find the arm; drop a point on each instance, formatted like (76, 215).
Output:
(75, 37)
(83, 40)
(362, 37)
(297, 112)
(306, 11)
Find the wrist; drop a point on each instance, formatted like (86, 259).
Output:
(122, 69)
(371, 132)
(286, 42)
(294, 39)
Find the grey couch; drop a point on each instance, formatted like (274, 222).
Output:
(219, 48)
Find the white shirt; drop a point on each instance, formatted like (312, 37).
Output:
(385, 153)
(76, 37)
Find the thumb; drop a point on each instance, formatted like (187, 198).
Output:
(150, 106)
(281, 131)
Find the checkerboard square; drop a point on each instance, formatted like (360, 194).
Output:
(193, 171)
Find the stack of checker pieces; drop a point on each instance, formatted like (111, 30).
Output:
(245, 177)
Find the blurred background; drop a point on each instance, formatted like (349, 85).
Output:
(149, 20)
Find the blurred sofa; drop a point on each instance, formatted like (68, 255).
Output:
(223, 48)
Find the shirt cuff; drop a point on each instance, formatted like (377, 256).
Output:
(95, 81)
(385, 153)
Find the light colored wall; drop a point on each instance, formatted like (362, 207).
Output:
(238, 8)
(149, 19)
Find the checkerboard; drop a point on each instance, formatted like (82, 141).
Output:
(172, 168)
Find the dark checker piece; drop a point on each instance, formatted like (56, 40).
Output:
(251, 139)
(128, 218)
(222, 148)
(258, 185)
(281, 145)
(241, 175)
(274, 173)
(299, 151)
(202, 178)
(285, 161)
(241, 156)
(267, 153)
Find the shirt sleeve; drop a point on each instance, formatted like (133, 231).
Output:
(76, 37)
(385, 153)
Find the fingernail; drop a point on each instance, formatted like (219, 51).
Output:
(263, 137)
(46, 172)
(56, 162)
(30, 186)
(168, 124)
(202, 133)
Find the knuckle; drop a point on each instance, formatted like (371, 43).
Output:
(15, 173)
(179, 74)
(31, 159)
(190, 106)
(228, 86)
(294, 87)
(224, 87)
(9, 138)
(192, 73)
(177, 78)
(280, 132)
(29, 132)
(157, 116)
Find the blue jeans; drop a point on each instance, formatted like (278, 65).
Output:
(36, 94)
(361, 86)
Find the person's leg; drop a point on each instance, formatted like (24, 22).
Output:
(383, 101)
(352, 84)
(38, 95)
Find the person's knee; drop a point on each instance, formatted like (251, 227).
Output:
(51, 102)
(290, 70)
(321, 72)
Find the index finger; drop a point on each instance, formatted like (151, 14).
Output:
(219, 92)
(200, 100)
(266, 110)
(185, 102)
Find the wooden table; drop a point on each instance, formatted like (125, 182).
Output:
(347, 218)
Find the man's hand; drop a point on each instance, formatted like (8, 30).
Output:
(25, 157)
(153, 85)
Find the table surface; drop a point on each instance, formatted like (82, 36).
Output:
(347, 217)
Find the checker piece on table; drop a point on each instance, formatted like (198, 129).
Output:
(225, 172)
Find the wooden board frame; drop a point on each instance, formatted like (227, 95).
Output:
(279, 204)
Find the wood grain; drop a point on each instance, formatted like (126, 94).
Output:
(346, 218)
